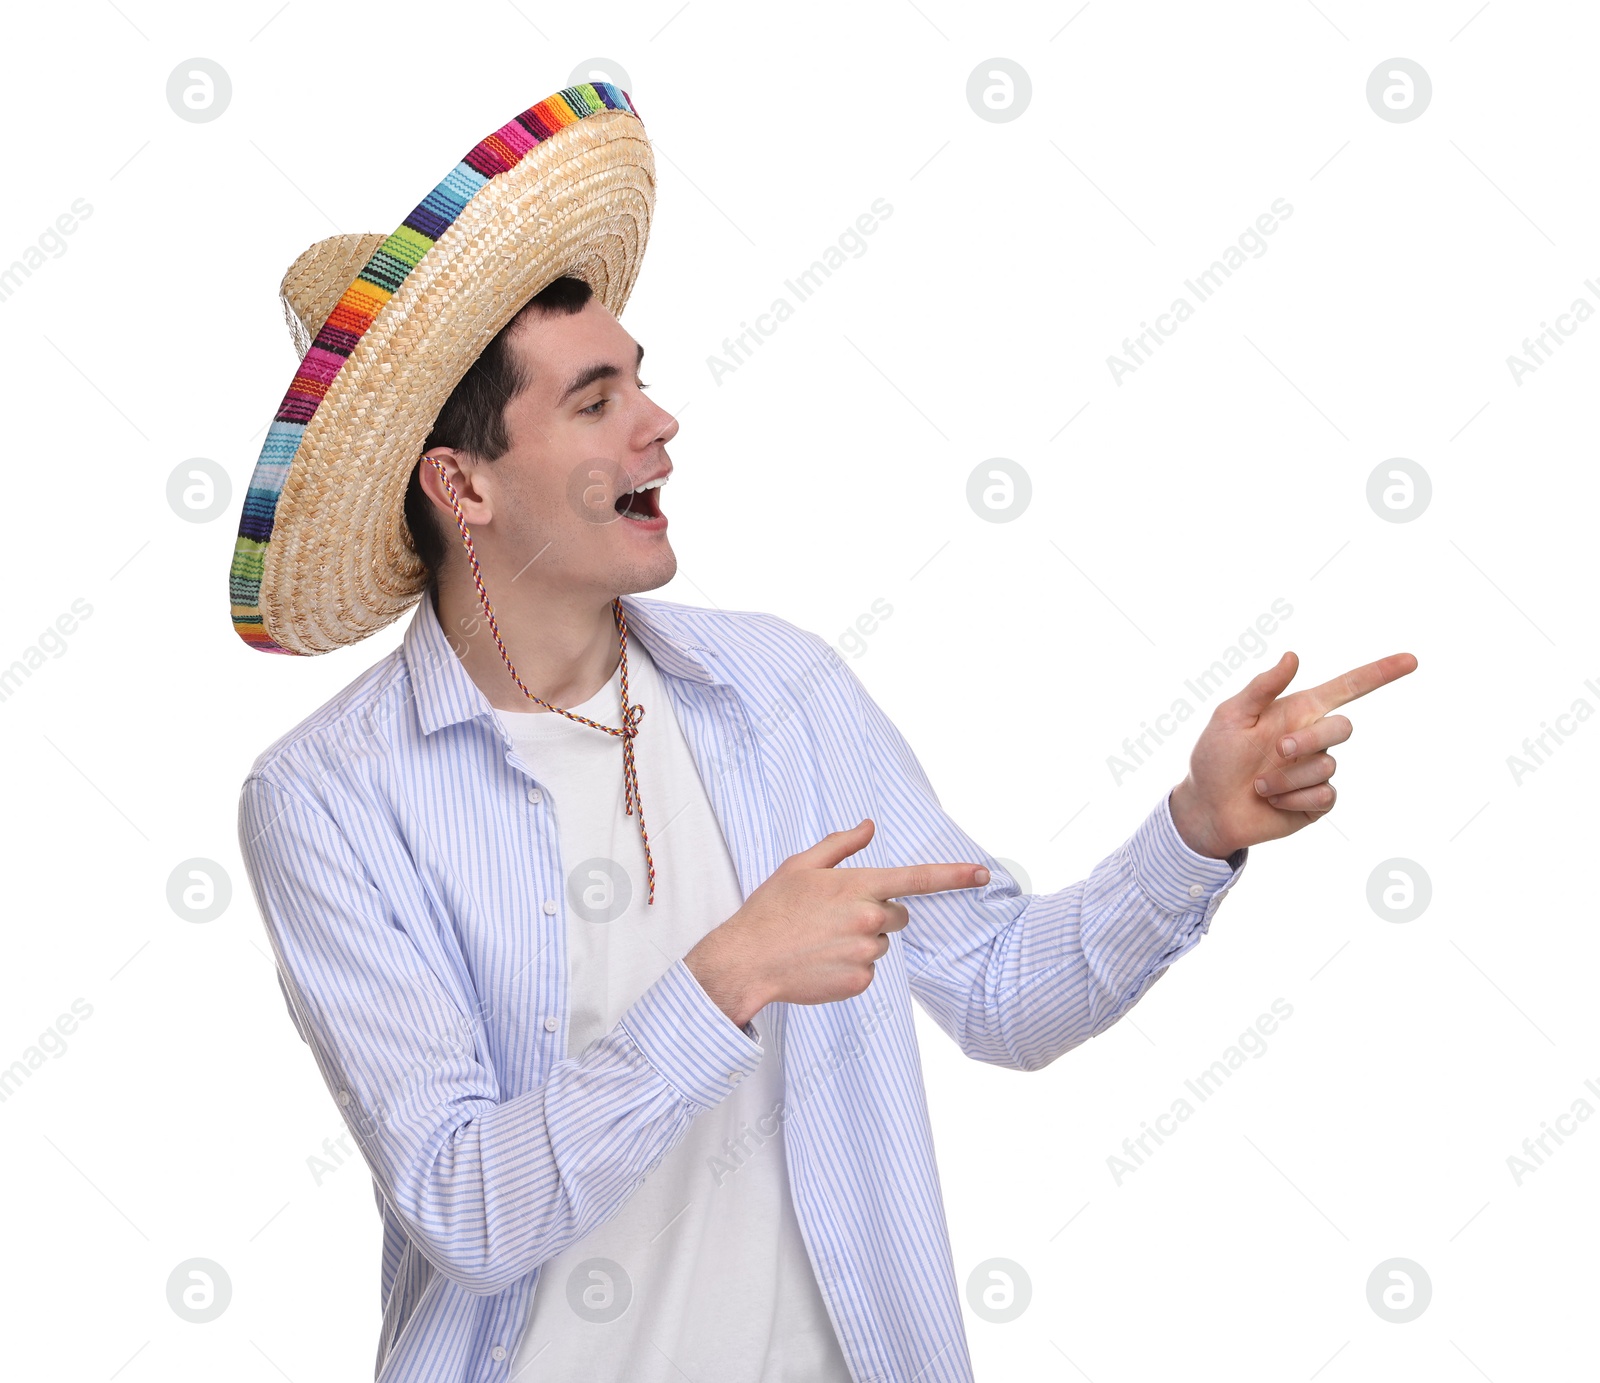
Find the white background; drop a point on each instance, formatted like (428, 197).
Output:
(1167, 513)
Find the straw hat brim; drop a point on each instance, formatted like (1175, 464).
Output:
(324, 557)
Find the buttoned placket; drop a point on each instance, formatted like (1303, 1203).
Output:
(538, 820)
(505, 1324)
(504, 1327)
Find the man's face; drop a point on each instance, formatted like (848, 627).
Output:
(582, 435)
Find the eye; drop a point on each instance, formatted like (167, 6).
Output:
(593, 410)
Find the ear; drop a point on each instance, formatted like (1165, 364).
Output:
(476, 506)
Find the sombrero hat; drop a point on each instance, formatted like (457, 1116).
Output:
(387, 326)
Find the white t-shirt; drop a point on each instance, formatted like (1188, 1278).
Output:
(720, 1286)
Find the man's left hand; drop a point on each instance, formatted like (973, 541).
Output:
(1260, 768)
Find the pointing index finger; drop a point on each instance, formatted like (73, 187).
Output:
(901, 881)
(1359, 681)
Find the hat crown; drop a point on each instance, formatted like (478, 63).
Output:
(315, 282)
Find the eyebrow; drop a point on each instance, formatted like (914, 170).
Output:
(590, 373)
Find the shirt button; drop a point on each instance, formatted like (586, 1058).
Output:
(551, 1024)
(535, 795)
(735, 1076)
(550, 905)
(498, 1353)
(1195, 890)
(344, 1097)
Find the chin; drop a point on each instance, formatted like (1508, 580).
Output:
(649, 577)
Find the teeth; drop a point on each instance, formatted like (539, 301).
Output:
(624, 508)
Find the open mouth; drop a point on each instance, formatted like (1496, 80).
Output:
(640, 504)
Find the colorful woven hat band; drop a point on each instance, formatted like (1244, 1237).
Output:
(361, 302)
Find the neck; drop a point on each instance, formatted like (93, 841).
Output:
(564, 647)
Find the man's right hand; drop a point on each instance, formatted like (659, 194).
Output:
(811, 932)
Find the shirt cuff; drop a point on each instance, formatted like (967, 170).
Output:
(695, 1046)
(1174, 877)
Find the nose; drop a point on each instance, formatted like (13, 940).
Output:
(664, 424)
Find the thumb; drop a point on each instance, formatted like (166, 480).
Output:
(1265, 687)
(833, 847)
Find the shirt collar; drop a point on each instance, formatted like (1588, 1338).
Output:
(446, 694)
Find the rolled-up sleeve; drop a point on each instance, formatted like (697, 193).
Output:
(488, 1188)
(1017, 979)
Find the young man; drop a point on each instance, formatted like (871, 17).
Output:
(640, 1101)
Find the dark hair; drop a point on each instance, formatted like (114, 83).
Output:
(473, 417)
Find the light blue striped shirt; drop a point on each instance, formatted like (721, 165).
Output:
(409, 876)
